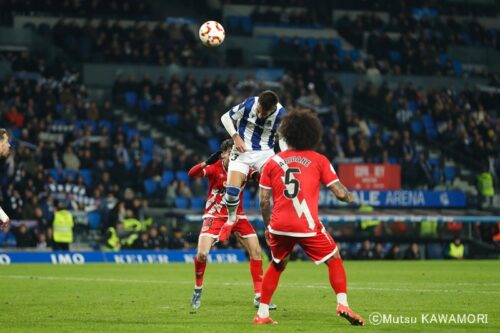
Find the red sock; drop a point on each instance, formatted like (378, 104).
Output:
(199, 270)
(269, 284)
(336, 273)
(256, 271)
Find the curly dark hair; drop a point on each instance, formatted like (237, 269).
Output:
(301, 129)
(226, 144)
(268, 99)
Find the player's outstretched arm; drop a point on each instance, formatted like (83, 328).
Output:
(341, 192)
(197, 170)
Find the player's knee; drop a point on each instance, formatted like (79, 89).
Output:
(280, 266)
(202, 256)
(232, 196)
(255, 253)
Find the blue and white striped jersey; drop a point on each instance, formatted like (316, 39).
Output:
(258, 134)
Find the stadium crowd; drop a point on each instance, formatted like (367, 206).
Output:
(70, 148)
(352, 127)
(447, 7)
(163, 44)
(122, 9)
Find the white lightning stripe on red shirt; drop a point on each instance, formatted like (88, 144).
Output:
(301, 207)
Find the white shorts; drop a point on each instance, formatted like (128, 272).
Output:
(242, 162)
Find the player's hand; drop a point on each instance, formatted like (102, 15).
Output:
(239, 144)
(4, 225)
(267, 236)
(350, 199)
(225, 232)
(213, 158)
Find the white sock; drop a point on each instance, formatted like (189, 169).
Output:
(198, 288)
(263, 310)
(342, 299)
(257, 295)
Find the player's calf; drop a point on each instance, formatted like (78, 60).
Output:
(232, 201)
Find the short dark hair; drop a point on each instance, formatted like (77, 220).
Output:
(3, 132)
(301, 129)
(226, 144)
(268, 100)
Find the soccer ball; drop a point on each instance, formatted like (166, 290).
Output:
(212, 33)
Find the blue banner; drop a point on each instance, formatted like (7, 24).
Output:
(120, 257)
(400, 199)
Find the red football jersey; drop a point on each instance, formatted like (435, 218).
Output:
(217, 177)
(295, 177)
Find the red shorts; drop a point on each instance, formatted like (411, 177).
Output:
(319, 248)
(212, 225)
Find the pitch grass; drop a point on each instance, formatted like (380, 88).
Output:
(155, 298)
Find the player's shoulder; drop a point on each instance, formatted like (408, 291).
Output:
(216, 167)
(250, 101)
(318, 157)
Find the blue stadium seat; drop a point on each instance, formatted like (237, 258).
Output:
(214, 144)
(71, 173)
(146, 158)
(311, 42)
(437, 175)
(56, 174)
(16, 132)
(181, 202)
(150, 186)
(247, 196)
(337, 43)
(395, 56)
(59, 109)
(182, 175)
(443, 57)
(172, 119)
(131, 133)
(94, 219)
(232, 21)
(457, 68)
(105, 123)
(449, 173)
(430, 127)
(416, 127)
(131, 98)
(147, 144)
(167, 178)
(247, 204)
(355, 55)
(246, 24)
(341, 55)
(87, 176)
(197, 203)
(145, 105)
(257, 203)
(412, 105)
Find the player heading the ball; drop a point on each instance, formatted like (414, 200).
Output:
(257, 119)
